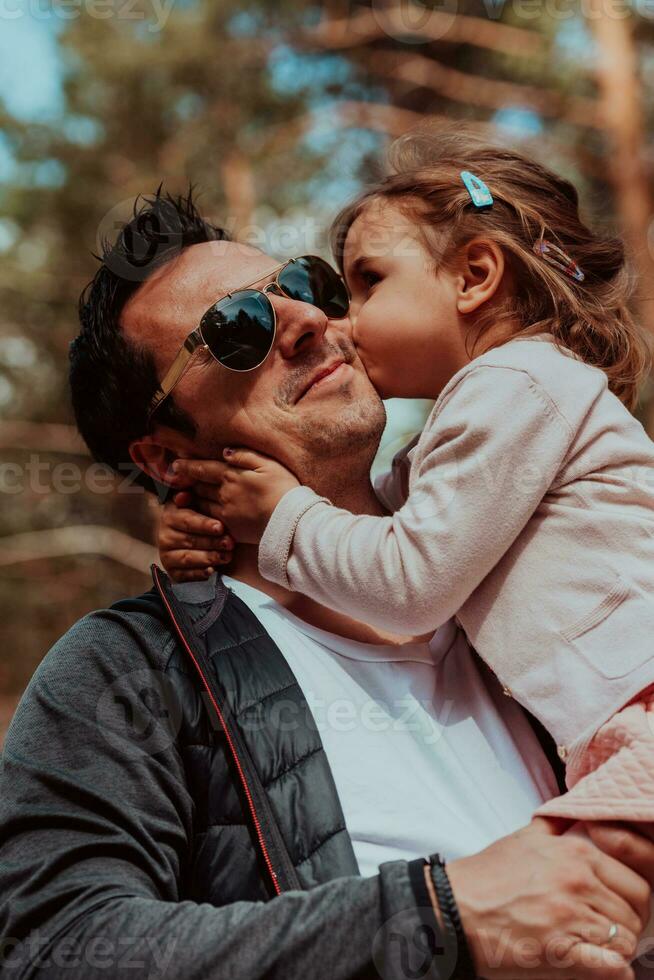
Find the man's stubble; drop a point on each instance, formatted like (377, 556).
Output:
(339, 447)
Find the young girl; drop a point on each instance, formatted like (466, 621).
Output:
(526, 507)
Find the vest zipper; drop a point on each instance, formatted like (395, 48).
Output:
(228, 736)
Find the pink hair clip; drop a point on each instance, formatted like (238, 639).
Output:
(560, 259)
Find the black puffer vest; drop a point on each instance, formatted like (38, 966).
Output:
(268, 817)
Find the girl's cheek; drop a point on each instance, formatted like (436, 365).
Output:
(366, 332)
(375, 374)
(377, 363)
(367, 357)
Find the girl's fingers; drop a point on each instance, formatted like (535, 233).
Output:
(200, 470)
(245, 459)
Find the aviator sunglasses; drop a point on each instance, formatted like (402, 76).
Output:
(239, 330)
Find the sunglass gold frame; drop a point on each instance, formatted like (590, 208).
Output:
(195, 341)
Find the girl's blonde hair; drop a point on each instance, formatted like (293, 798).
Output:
(592, 318)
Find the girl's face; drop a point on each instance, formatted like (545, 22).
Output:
(405, 317)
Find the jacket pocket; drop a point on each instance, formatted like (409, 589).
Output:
(617, 635)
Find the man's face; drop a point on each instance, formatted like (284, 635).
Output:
(280, 408)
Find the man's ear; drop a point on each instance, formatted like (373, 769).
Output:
(482, 268)
(156, 453)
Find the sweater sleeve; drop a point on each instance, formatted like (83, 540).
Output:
(490, 455)
(96, 827)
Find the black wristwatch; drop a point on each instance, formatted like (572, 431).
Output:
(454, 934)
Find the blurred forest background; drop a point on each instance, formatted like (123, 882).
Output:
(278, 110)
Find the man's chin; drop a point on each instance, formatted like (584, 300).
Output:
(351, 416)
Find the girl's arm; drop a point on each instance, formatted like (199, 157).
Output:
(490, 455)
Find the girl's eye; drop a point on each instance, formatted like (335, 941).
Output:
(370, 278)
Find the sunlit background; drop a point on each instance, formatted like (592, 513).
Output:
(279, 112)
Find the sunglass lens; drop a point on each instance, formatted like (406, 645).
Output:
(239, 331)
(312, 280)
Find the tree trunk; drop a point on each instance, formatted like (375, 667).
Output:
(621, 106)
(239, 189)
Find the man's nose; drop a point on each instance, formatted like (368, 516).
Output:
(300, 326)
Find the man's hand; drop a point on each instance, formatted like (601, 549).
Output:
(242, 493)
(541, 906)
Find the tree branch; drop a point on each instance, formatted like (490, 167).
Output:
(393, 120)
(86, 539)
(365, 26)
(45, 437)
(481, 91)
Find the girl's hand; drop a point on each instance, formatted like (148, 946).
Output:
(190, 544)
(242, 493)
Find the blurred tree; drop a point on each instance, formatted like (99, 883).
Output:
(623, 115)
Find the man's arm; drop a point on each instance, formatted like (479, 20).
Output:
(96, 824)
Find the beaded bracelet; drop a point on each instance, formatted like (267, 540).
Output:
(454, 932)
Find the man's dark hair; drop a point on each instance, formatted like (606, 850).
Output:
(112, 381)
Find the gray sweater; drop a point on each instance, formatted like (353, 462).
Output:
(94, 836)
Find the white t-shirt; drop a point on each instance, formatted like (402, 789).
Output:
(426, 753)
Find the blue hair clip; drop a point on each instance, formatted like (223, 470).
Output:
(477, 189)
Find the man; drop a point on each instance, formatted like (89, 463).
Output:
(172, 804)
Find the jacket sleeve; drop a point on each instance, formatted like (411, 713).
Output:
(96, 824)
(491, 454)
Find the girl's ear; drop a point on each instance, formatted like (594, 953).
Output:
(482, 267)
